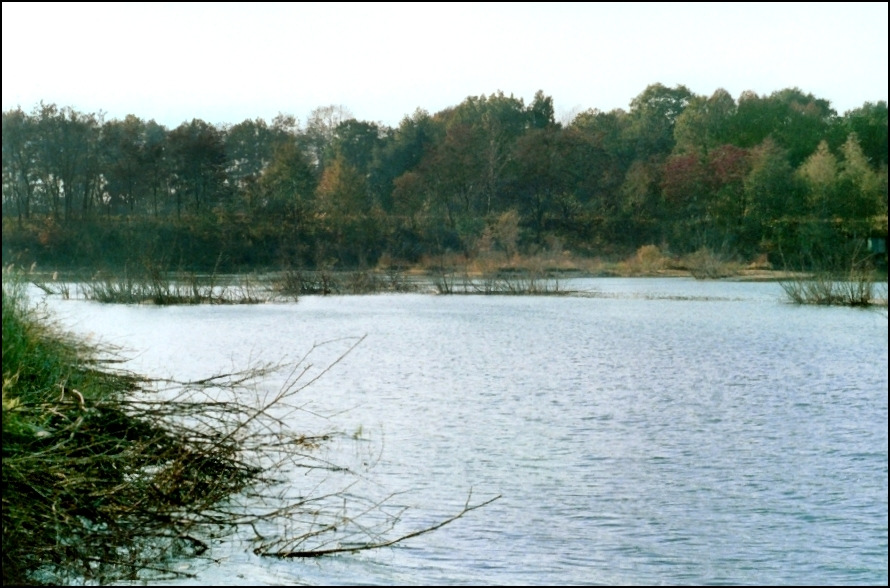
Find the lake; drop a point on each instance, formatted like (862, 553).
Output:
(648, 431)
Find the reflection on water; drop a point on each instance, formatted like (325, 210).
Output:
(661, 431)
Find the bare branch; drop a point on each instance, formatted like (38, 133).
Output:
(367, 546)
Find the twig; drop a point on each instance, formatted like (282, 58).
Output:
(369, 546)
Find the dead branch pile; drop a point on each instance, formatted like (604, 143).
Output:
(109, 487)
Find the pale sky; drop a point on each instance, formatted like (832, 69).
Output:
(227, 62)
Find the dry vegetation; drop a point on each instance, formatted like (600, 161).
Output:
(108, 476)
(845, 278)
(857, 288)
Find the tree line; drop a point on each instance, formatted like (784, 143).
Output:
(780, 174)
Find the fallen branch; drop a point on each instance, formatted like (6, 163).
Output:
(378, 545)
(120, 477)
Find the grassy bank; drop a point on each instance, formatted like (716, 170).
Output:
(96, 486)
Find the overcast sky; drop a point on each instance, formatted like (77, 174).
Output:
(227, 62)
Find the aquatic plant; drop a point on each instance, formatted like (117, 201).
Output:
(171, 289)
(827, 289)
(844, 279)
(299, 282)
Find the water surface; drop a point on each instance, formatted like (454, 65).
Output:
(662, 431)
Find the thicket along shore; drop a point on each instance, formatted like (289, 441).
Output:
(110, 476)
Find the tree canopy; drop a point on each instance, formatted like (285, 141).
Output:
(754, 174)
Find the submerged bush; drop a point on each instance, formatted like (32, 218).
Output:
(841, 282)
(298, 282)
(164, 289)
(828, 290)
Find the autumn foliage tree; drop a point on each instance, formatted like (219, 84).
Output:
(773, 174)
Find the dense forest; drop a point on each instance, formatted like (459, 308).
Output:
(781, 175)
